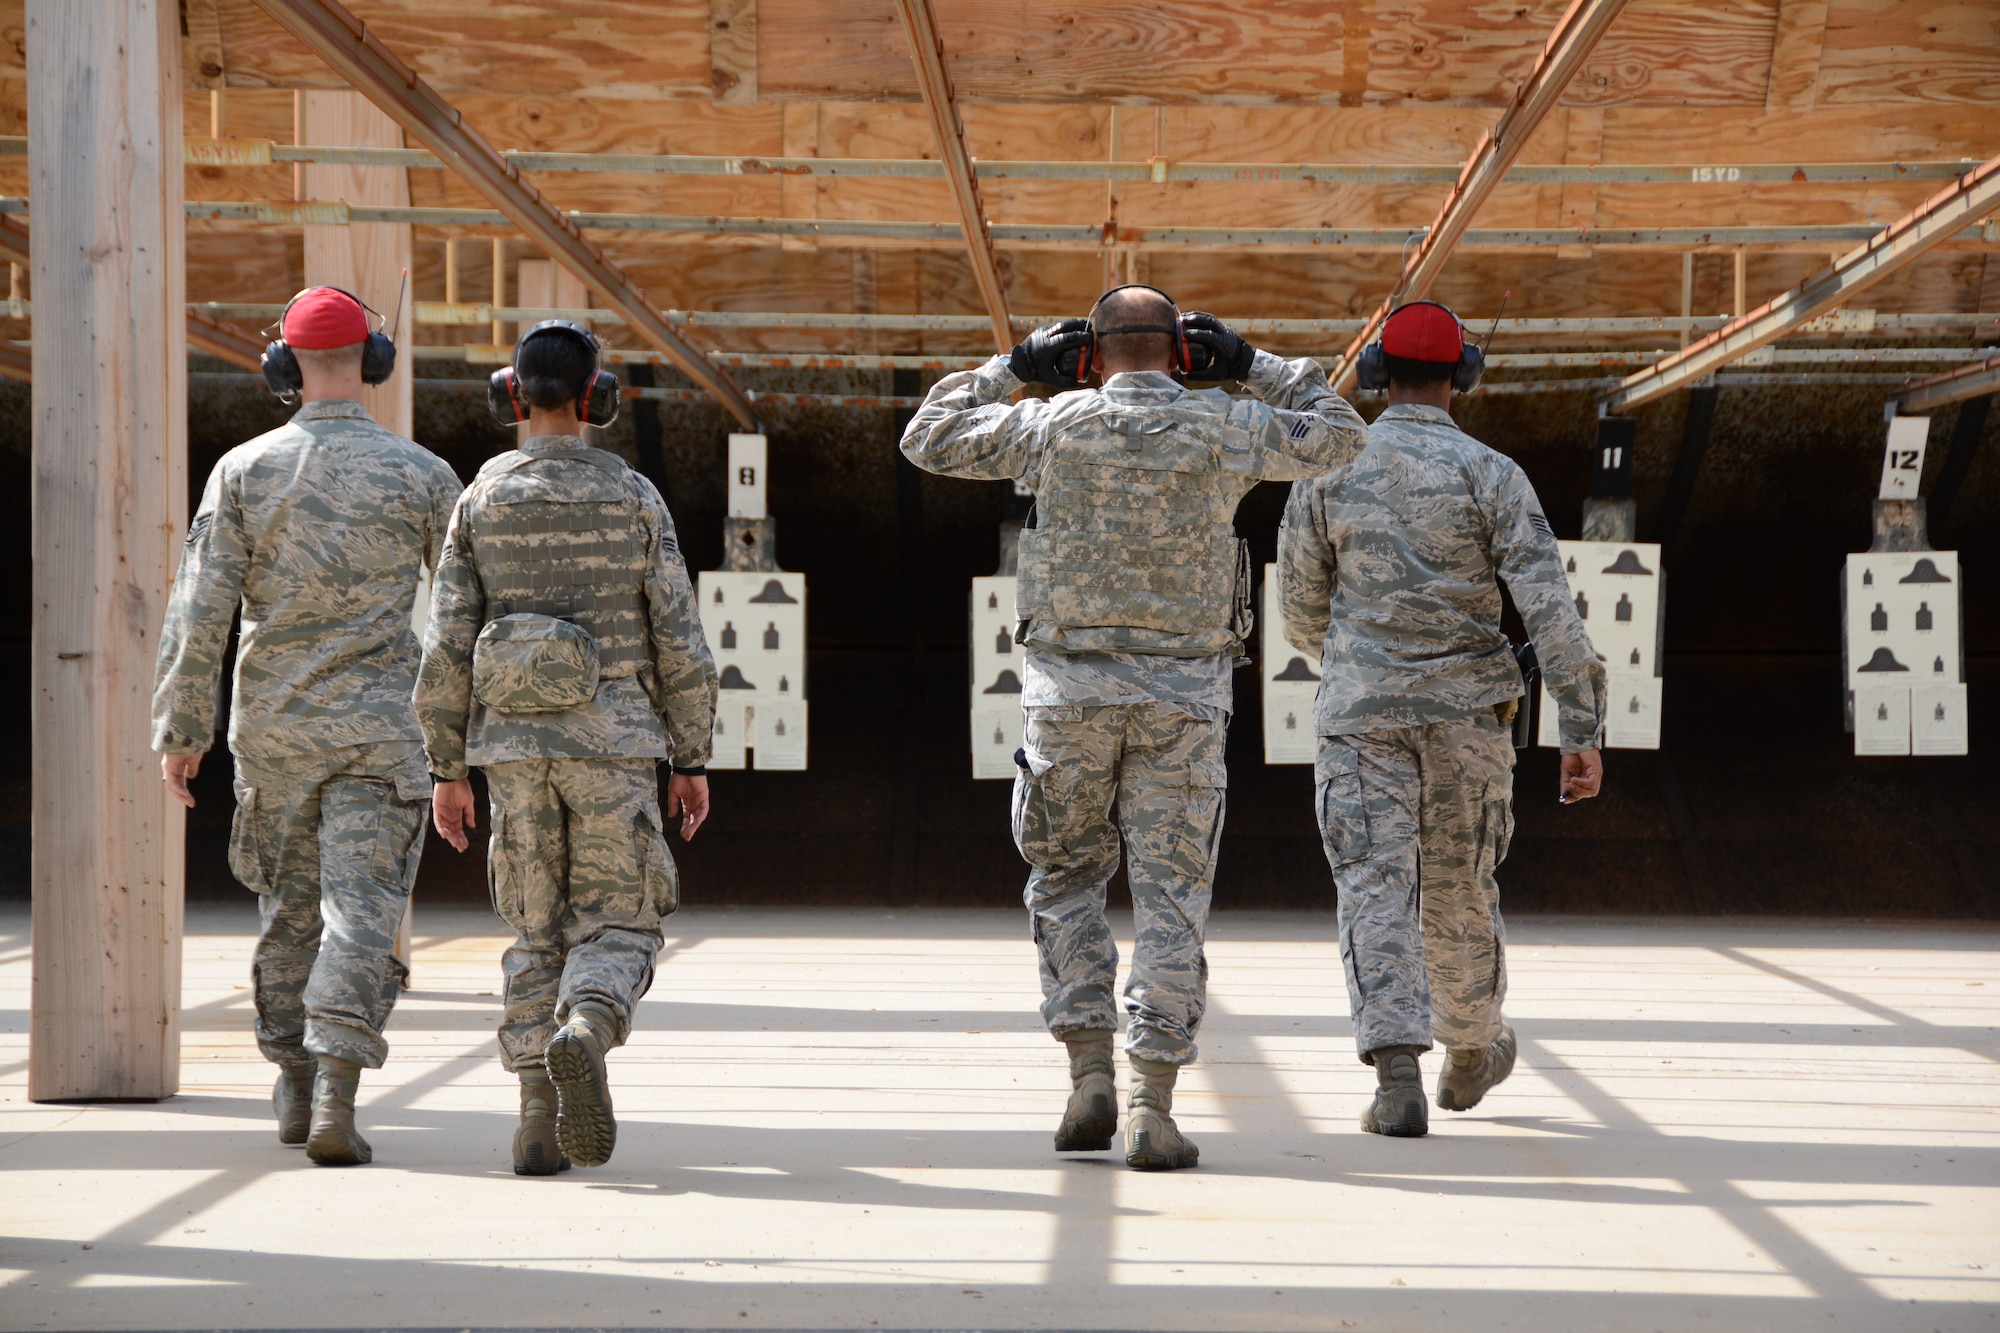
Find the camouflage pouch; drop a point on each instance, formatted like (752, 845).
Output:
(532, 663)
(1243, 601)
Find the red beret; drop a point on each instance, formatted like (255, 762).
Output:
(321, 317)
(1423, 331)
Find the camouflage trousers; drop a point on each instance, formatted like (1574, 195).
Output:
(330, 842)
(1162, 765)
(578, 866)
(1415, 821)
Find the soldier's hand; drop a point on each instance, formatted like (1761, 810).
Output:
(1582, 775)
(1052, 355)
(1216, 351)
(687, 796)
(452, 812)
(175, 770)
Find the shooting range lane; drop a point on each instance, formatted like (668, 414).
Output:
(1712, 1125)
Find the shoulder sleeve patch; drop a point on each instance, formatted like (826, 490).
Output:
(1540, 523)
(200, 526)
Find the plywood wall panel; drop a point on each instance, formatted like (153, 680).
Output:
(1910, 50)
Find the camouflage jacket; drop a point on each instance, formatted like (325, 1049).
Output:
(1294, 427)
(319, 530)
(1389, 570)
(667, 709)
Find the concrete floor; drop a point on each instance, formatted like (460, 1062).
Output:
(842, 1120)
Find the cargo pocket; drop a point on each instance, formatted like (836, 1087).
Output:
(662, 882)
(1343, 819)
(1201, 830)
(246, 853)
(1039, 799)
(403, 821)
(503, 876)
(1496, 833)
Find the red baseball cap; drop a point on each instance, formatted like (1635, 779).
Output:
(322, 317)
(1423, 331)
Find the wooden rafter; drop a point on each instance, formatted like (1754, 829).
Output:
(346, 45)
(927, 52)
(1938, 218)
(1562, 57)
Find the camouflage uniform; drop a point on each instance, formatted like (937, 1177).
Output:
(1389, 569)
(319, 530)
(578, 862)
(1125, 609)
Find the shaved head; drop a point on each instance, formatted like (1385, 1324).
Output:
(1125, 308)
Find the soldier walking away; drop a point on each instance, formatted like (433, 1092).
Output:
(320, 531)
(1390, 570)
(1133, 606)
(564, 656)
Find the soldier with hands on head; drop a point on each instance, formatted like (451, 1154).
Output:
(565, 658)
(1133, 606)
(320, 532)
(1391, 569)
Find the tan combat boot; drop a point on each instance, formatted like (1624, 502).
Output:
(585, 1127)
(292, 1099)
(1471, 1072)
(1398, 1108)
(334, 1141)
(1090, 1121)
(1153, 1142)
(536, 1152)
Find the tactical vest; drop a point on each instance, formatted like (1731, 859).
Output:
(566, 543)
(1134, 548)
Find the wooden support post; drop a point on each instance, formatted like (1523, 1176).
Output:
(1687, 292)
(499, 288)
(366, 258)
(110, 506)
(1742, 272)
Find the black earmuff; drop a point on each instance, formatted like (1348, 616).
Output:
(598, 396)
(1371, 367)
(1090, 362)
(280, 363)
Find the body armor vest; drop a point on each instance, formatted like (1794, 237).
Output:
(1134, 548)
(568, 544)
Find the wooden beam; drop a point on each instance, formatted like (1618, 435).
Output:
(110, 503)
(366, 258)
(1795, 53)
(732, 51)
(1976, 380)
(927, 55)
(347, 45)
(1943, 215)
(1563, 54)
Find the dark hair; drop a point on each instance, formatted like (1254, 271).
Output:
(552, 369)
(1418, 374)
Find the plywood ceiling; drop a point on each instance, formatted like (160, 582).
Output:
(1361, 81)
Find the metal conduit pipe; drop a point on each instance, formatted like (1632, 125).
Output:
(265, 152)
(1032, 235)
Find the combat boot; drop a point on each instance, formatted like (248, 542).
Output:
(1090, 1121)
(1470, 1072)
(334, 1141)
(1398, 1108)
(1153, 1142)
(536, 1152)
(585, 1126)
(292, 1099)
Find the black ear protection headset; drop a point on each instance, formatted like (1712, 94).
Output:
(597, 396)
(280, 363)
(1371, 368)
(1092, 361)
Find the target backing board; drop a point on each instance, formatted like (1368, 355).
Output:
(1903, 642)
(1291, 682)
(1616, 587)
(755, 623)
(995, 678)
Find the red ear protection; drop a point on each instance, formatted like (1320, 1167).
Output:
(597, 397)
(1093, 357)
